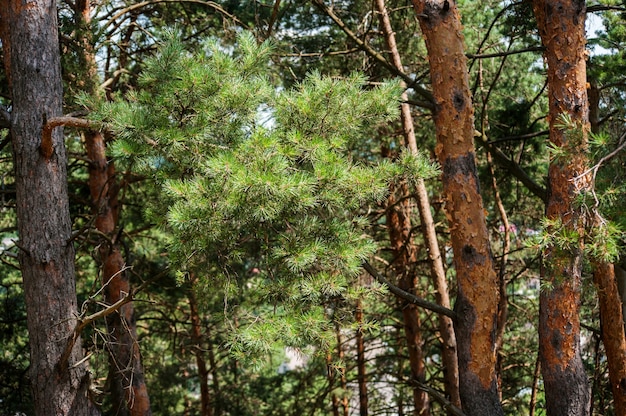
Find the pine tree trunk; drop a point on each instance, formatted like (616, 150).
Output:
(128, 388)
(32, 64)
(196, 337)
(562, 29)
(612, 330)
(360, 353)
(404, 252)
(477, 298)
(438, 274)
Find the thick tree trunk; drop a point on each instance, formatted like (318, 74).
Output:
(438, 274)
(32, 63)
(562, 29)
(477, 298)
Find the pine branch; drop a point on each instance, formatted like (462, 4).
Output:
(409, 297)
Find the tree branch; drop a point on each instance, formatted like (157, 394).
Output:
(513, 168)
(506, 53)
(47, 146)
(429, 103)
(409, 297)
(84, 322)
(440, 398)
(136, 6)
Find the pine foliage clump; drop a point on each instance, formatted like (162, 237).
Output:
(258, 184)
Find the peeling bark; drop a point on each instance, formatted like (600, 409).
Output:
(478, 295)
(404, 253)
(562, 29)
(128, 388)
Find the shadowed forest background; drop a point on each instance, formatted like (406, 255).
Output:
(290, 207)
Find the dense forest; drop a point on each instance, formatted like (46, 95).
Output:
(312, 207)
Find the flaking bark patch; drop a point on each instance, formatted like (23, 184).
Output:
(471, 256)
(459, 101)
(463, 166)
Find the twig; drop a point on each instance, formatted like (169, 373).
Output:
(408, 296)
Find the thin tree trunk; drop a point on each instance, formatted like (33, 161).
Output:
(129, 392)
(438, 274)
(196, 337)
(342, 379)
(32, 66)
(562, 29)
(360, 352)
(331, 384)
(404, 254)
(613, 336)
(478, 294)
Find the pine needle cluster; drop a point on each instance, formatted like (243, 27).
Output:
(257, 182)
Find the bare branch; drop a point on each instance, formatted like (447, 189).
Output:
(513, 168)
(506, 53)
(141, 5)
(47, 147)
(376, 55)
(409, 297)
(440, 398)
(84, 322)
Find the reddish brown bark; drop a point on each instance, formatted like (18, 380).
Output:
(438, 274)
(32, 64)
(562, 29)
(613, 334)
(404, 255)
(478, 295)
(128, 388)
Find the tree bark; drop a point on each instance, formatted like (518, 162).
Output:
(361, 371)
(128, 387)
(477, 297)
(612, 331)
(196, 337)
(562, 29)
(438, 273)
(404, 256)
(32, 64)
